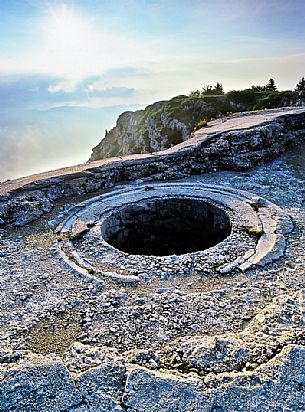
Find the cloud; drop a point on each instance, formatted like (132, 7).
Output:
(25, 90)
(111, 92)
(65, 86)
(125, 72)
(43, 92)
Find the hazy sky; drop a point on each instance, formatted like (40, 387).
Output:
(102, 53)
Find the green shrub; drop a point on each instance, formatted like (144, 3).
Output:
(246, 97)
(199, 125)
(274, 99)
(174, 136)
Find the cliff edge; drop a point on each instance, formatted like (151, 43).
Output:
(165, 124)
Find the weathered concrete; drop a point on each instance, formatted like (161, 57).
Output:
(87, 327)
(257, 234)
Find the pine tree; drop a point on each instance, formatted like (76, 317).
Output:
(218, 89)
(271, 85)
(300, 87)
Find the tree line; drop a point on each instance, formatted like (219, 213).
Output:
(216, 90)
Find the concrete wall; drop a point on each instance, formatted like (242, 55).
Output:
(228, 150)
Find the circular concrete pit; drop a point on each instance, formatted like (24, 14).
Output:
(178, 227)
(171, 226)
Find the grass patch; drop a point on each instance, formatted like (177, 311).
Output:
(54, 335)
(255, 232)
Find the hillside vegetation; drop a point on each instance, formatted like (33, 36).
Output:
(164, 124)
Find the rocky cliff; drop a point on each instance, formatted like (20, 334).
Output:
(166, 123)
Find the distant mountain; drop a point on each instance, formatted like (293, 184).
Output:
(166, 123)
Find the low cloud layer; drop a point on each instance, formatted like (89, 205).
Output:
(43, 91)
(48, 122)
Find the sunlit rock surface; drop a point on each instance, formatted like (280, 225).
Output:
(88, 325)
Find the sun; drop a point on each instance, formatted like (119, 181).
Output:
(76, 43)
(66, 30)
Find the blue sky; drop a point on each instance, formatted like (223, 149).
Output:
(98, 53)
(100, 57)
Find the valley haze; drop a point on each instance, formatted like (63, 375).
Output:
(33, 141)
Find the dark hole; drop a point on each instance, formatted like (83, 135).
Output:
(166, 227)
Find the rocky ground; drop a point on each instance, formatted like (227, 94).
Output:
(201, 341)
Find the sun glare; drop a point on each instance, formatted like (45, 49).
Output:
(73, 45)
(65, 29)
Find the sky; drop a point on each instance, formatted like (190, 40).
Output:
(120, 53)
